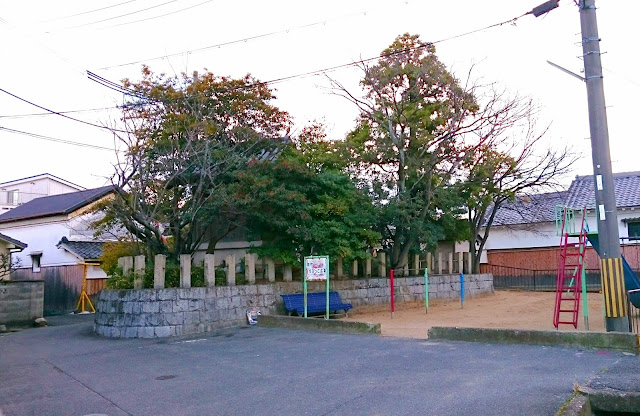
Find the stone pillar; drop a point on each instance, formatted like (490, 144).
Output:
(250, 268)
(367, 267)
(271, 270)
(159, 264)
(339, 268)
(138, 267)
(460, 262)
(231, 270)
(288, 273)
(126, 263)
(405, 269)
(382, 265)
(416, 265)
(210, 270)
(469, 265)
(440, 264)
(354, 268)
(430, 262)
(450, 265)
(185, 270)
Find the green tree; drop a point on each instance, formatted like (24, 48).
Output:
(306, 205)
(408, 142)
(187, 139)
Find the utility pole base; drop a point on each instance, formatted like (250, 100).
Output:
(620, 324)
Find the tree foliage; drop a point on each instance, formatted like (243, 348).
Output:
(408, 142)
(308, 206)
(187, 138)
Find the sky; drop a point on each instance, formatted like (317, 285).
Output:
(47, 48)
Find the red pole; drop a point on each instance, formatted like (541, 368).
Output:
(393, 305)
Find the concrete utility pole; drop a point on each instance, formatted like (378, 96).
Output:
(615, 295)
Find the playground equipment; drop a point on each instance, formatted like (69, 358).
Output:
(566, 226)
(570, 273)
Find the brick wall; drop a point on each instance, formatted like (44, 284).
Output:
(21, 301)
(148, 313)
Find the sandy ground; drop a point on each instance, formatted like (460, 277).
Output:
(503, 309)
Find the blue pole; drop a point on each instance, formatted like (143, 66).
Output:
(461, 290)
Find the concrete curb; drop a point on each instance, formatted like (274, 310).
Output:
(618, 341)
(331, 325)
(612, 400)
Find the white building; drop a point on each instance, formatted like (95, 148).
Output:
(61, 248)
(20, 191)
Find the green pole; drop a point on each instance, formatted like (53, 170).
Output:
(304, 285)
(327, 276)
(583, 276)
(426, 290)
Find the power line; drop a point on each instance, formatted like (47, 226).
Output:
(60, 114)
(53, 139)
(123, 15)
(89, 11)
(233, 42)
(162, 15)
(86, 110)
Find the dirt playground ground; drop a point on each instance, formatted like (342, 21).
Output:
(502, 309)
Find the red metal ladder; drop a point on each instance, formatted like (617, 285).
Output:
(569, 273)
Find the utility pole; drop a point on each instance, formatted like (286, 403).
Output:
(614, 292)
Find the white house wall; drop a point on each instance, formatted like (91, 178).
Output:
(41, 237)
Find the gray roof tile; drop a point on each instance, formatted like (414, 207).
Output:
(55, 204)
(529, 209)
(626, 186)
(88, 250)
(13, 241)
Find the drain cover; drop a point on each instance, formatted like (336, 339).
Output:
(166, 377)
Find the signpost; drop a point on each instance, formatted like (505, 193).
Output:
(316, 268)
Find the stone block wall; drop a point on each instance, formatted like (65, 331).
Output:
(149, 313)
(21, 301)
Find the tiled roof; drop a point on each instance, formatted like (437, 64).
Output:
(626, 185)
(13, 241)
(529, 209)
(88, 250)
(55, 204)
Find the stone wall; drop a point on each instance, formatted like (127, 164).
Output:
(148, 313)
(21, 301)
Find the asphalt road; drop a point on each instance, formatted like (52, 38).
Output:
(66, 370)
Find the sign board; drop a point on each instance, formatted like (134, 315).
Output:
(316, 268)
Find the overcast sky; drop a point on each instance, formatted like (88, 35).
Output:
(48, 46)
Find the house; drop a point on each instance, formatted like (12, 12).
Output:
(524, 233)
(21, 191)
(61, 248)
(8, 246)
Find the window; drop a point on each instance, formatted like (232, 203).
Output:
(35, 262)
(634, 229)
(12, 197)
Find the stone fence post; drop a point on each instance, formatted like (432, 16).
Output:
(159, 266)
(231, 270)
(250, 268)
(210, 270)
(185, 270)
(139, 266)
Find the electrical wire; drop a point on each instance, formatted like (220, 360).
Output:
(123, 15)
(90, 11)
(60, 114)
(53, 139)
(157, 17)
(115, 86)
(233, 42)
(86, 110)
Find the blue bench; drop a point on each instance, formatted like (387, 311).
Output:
(316, 303)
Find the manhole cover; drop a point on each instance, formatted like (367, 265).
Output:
(166, 377)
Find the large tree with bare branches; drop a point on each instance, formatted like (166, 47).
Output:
(515, 162)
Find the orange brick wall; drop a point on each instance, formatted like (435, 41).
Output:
(547, 258)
